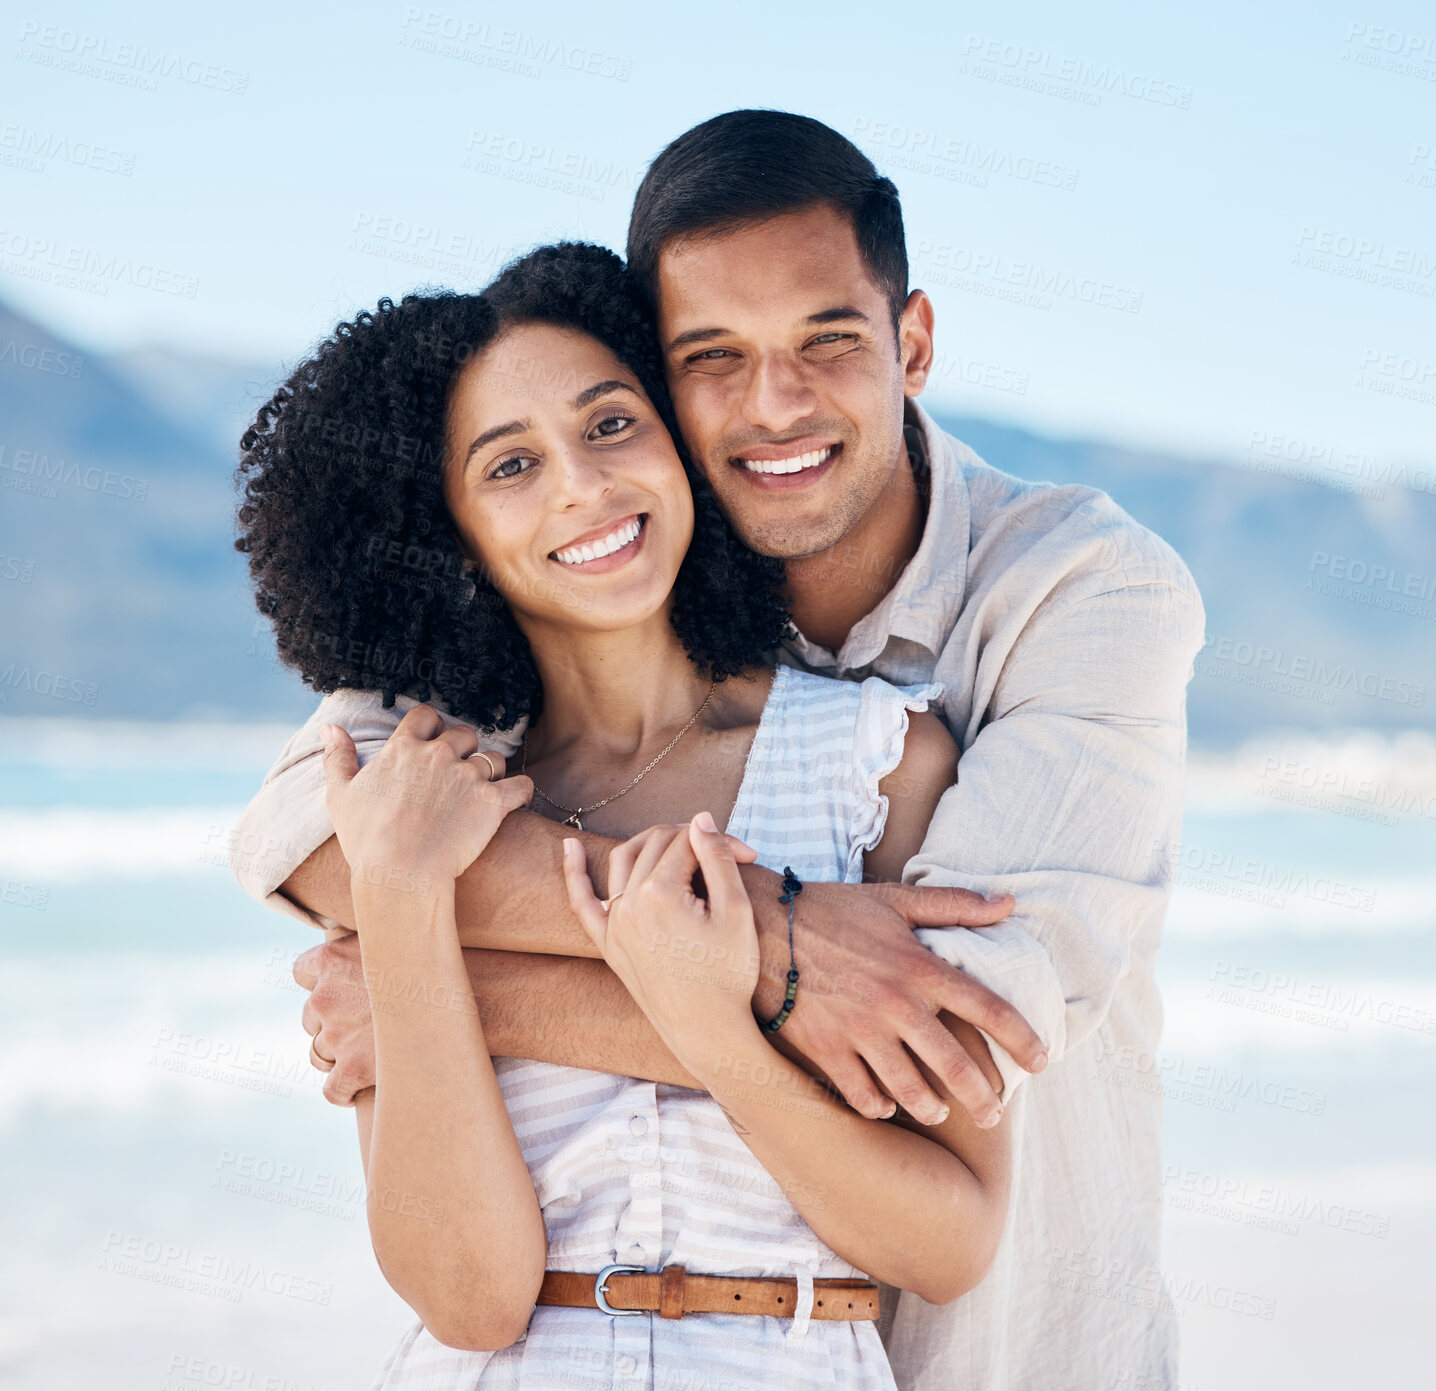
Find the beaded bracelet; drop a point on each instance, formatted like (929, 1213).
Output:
(792, 887)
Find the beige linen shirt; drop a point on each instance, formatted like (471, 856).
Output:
(1064, 635)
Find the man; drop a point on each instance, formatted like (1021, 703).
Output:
(1064, 635)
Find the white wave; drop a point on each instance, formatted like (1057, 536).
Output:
(1242, 1011)
(142, 745)
(75, 844)
(125, 1032)
(1207, 906)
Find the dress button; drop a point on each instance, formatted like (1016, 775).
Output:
(638, 1253)
(638, 1125)
(626, 1365)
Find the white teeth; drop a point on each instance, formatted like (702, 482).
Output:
(596, 550)
(809, 460)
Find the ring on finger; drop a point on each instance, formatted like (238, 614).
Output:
(609, 902)
(317, 1058)
(493, 770)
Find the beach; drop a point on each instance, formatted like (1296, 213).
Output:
(187, 1211)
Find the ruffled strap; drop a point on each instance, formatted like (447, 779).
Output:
(879, 735)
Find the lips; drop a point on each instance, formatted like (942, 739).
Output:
(608, 542)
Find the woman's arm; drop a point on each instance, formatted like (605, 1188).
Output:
(921, 1208)
(453, 1217)
(914, 1206)
(452, 1212)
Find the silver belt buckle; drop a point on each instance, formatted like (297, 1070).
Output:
(600, 1288)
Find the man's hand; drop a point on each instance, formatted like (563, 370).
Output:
(870, 994)
(337, 1015)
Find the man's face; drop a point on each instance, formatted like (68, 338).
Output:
(786, 375)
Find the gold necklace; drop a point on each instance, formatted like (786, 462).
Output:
(572, 818)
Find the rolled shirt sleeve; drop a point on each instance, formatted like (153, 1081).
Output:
(1069, 798)
(287, 820)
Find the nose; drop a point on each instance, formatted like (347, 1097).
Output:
(777, 394)
(584, 476)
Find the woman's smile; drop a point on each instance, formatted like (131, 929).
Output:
(604, 548)
(585, 479)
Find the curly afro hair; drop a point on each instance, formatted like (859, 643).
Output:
(354, 555)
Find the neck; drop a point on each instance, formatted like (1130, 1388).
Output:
(830, 591)
(612, 693)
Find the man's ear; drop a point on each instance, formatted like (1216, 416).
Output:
(915, 333)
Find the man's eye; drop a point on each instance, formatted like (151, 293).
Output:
(612, 425)
(824, 340)
(511, 468)
(710, 355)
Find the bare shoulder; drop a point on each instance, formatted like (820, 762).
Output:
(928, 767)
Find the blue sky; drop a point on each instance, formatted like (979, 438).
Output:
(1210, 229)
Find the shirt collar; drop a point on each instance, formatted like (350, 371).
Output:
(923, 605)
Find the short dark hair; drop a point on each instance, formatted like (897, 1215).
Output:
(744, 167)
(353, 552)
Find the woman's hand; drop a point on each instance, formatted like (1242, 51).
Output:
(690, 962)
(422, 809)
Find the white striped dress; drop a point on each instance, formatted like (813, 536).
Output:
(652, 1175)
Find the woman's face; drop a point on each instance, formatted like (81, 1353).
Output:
(564, 482)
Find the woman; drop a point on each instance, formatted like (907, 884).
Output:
(568, 570)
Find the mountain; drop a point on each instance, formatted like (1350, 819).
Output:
(1321, 602)
(121, 594)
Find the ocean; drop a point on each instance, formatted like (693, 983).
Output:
(185, 1210)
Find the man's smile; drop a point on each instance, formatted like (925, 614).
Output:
(775, 467)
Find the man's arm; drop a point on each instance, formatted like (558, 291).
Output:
(861, 964)
(554, 1009)
(1070, 796)
(865, 975)
(518, 870)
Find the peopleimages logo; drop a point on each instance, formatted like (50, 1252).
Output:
(1272, 664)
(92, 55)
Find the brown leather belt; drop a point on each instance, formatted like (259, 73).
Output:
(672, 1292)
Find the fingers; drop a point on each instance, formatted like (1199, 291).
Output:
(342, 1086)
(422, 722)
(462, 739)
(581, 897)
(716, 858)
(655, 845)
(309, 1017)
(341, 759)
(306, 966)
(621, 861)
(899, 1077)
(958, 1072)
(856, 1086)
(984, 1009)
(928, 905)
(511, 793)
(674, 869)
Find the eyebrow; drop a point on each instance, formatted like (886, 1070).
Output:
(517, 427)
(591, 394)
(839, 313)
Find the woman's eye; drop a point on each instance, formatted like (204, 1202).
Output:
(511, 468)
(612, 425)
